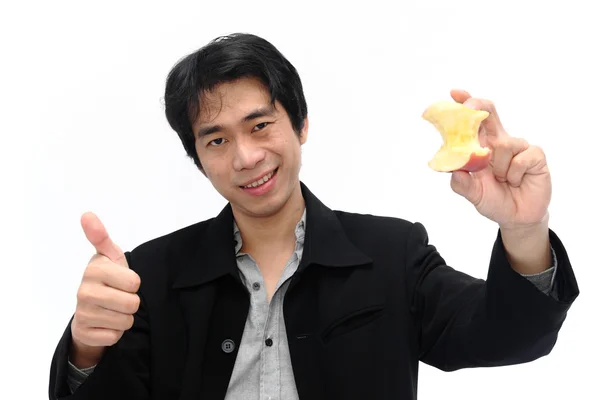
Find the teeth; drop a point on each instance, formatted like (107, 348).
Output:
(260, 181)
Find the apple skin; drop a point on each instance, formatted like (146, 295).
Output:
(447, 160)
(477, 162)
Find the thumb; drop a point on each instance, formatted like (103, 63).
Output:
(96, 234)
(464, 184)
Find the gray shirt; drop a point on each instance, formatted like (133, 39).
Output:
(263, 369)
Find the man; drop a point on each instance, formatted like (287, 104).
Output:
(279, 297)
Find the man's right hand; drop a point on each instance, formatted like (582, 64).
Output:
(106, 299)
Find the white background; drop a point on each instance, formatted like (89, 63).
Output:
(83, 128)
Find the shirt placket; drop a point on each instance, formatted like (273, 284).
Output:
(270, 361)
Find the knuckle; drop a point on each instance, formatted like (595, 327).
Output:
(82, 335)
(134, 282)
(474, 103)
(113, 336)
(94, 270)
(538, 151)
(85, 294)
(520, 162)
(504, 143)
(129, 322)
(132, 304)
(484, 104)
(80, 317)
(76, 329)
(93, 259)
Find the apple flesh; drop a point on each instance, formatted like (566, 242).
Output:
(454, 159)
(459, 128)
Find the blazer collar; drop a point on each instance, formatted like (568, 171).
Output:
(325, 244)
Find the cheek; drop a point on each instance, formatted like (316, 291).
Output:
(287, 146)
(215, 172)
(215, 169)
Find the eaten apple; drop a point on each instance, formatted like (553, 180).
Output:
(459, 127)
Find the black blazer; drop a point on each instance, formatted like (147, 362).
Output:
(371, 298)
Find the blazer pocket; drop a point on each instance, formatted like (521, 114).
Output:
(352, 321)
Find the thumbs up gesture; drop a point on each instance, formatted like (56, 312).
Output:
(106, 299)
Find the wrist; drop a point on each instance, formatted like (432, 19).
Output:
(84, 356)
(521, 229)
(528, 247)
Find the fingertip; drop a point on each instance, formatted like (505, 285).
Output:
(93, 228)
(88, 218)
(84, 217)
(136, 282)
(459, 95)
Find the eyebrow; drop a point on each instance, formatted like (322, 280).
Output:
(265, 111)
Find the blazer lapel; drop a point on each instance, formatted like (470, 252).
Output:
(210, 255)
(329, 259)
(326, 242)
(214, 304)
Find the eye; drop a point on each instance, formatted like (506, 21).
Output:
(217, 142)
(261, 126)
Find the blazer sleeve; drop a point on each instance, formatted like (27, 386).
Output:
(122, 373)
(467, 322)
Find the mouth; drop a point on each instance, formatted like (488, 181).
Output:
(261, 181)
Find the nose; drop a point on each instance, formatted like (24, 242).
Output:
(247, 154)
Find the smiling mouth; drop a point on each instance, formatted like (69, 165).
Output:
(261, 181)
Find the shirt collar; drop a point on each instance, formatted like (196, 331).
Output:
(205, 251)
(299, 231)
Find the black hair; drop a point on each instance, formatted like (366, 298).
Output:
(225, 59)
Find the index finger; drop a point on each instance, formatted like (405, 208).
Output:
(119, 278)
(492, 124)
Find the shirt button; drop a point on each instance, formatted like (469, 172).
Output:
(256, 286)
(269, 342)
(228, 346)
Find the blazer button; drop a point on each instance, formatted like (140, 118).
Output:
(228, 346)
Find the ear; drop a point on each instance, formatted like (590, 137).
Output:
(304, 132)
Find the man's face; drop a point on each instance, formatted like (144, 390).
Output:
(240, 139)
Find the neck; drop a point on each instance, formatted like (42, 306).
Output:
(276, 230)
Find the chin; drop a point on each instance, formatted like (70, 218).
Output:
(260, 209)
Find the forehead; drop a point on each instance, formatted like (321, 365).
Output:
(231, 101)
